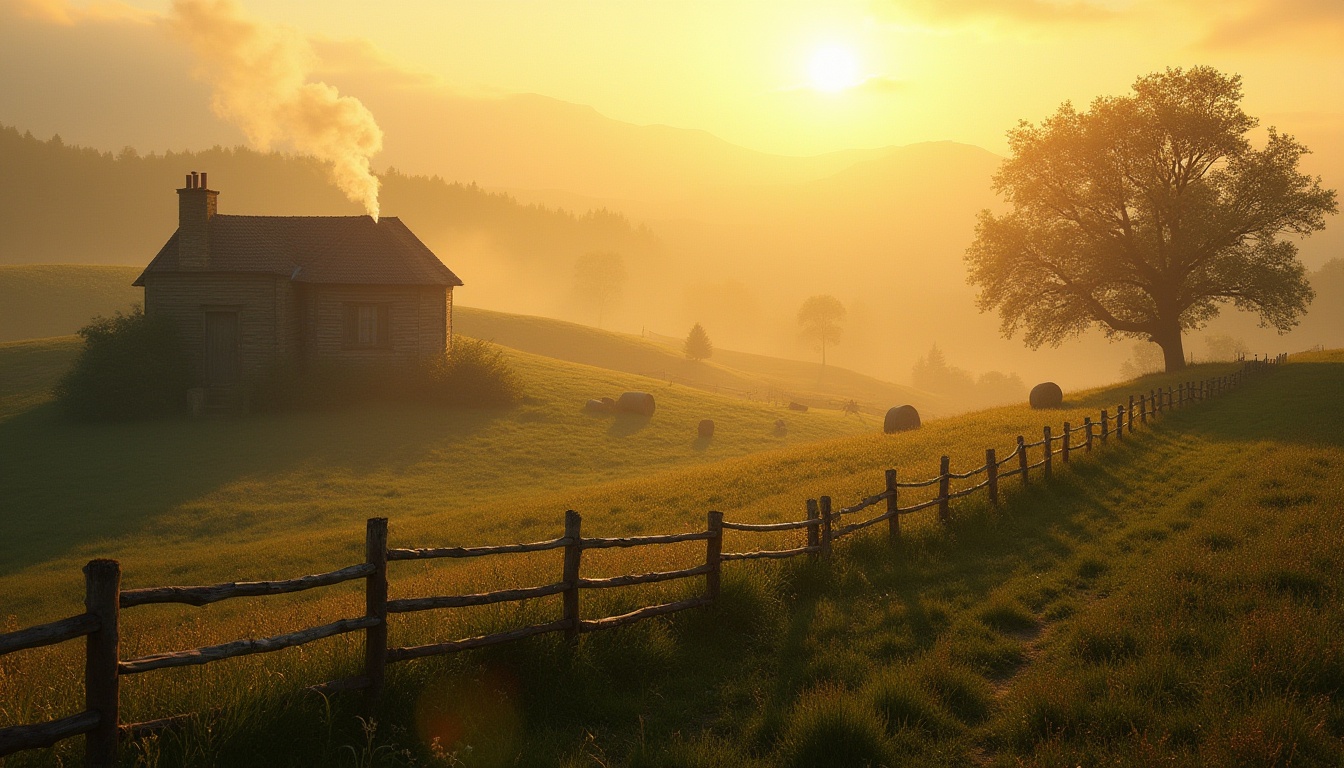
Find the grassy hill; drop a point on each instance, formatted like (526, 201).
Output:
(757, 377)
(1089, 608)
(40, 300)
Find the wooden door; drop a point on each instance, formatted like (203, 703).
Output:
(221, 348)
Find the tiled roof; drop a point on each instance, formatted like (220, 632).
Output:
(316, 249)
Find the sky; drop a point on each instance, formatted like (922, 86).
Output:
(744, 70)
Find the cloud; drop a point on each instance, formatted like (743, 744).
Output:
(61, 12)
(1035, 12)
(1263, 22)
(259, 75)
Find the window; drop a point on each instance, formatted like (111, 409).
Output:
(366, 325)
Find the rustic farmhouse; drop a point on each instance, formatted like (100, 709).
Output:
(251, 293)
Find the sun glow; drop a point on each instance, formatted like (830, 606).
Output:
(833, 68)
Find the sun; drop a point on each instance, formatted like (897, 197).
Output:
(833, 68)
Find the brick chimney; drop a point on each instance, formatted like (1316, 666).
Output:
(196, 205)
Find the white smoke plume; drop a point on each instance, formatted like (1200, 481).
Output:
(260, 73)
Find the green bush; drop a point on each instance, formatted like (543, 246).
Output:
(131, 367)
(474, 374)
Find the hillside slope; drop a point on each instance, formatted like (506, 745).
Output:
(755, 377)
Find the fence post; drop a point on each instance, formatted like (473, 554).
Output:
(102, 599)
(1049, 459)
(1119, 422)
(813, 534)
(944, 487)
(1129, 415)
(1087, 425)
(1022, 457)
(1064, 454)
(1105, 426)
(1180, 391)
(713, 555)
(573, 557)
(992, 472)
(893, 522)
(826, 527)
(375, 606)
(1143, 410)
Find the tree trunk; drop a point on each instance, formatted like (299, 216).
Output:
(1173, 349)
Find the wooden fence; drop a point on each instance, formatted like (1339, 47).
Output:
(104, 599)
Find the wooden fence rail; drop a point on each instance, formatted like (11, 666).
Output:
(100, 725)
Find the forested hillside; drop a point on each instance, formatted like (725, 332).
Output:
(61, 204)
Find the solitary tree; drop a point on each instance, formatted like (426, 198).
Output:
(698, 346)
(820, 318)
(1145, 215)
(599, 278)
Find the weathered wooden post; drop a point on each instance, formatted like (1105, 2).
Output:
(992, 475)
(375, 607)
(1068, 432)
(573, 558)
(1087, 438)
(1049, 451)
(714, 555)
(102, 599)
(813, 531)
(944, 488)
(1105, 426)
(893, 522)
(1180, 391)
(826, 527)
(1143, 410)
(1022, 457)
(1119, 422)
(1129, 414)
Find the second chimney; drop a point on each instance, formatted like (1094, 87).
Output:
(196, 205)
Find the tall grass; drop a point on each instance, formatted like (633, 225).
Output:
(1098, 619)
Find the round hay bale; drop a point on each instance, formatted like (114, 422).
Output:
(797, 407)
(636, 402)
(900, 419)
(1046, 395)
(781, 429)
(596, 406)
(706, 429)
(610, 403)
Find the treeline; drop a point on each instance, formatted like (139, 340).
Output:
(62, 204)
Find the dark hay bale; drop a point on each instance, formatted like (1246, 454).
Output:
(706, 429)
(636, 402)
(900, 419)
(1046, 395)
(597, 406)
(797, 407)
(610, 402)
(781, 429)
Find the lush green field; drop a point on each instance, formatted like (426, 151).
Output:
(1028, 636)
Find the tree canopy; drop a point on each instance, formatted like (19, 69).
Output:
(820, 318)
(698, 346)
(1145, 215)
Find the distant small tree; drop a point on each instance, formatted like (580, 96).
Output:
(932, 373)
(820, 318)
(599, 278)
(1145, 359)
(1224, 347)
(698, 346)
